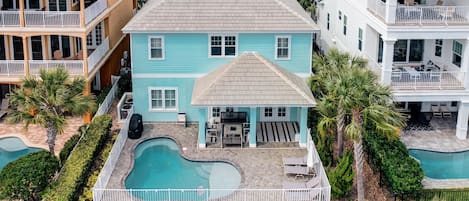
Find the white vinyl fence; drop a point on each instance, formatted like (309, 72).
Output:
(10, 18)
(432, 14)
(432, 79)
(107, 103)
(74, 67)
(94, 10)
(11, 67)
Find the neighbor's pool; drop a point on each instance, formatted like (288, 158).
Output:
(438, 165)
(12, 148)
(158, 165)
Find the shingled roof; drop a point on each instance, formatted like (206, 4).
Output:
(221, 15)
(251, 80)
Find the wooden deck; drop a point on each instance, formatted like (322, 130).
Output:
(277, 131)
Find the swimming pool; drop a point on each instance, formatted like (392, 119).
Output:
(158, 165)
(12, 148)
(438, 165)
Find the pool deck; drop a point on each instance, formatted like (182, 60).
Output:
(260, 168)
(35, 135)
(442, 140)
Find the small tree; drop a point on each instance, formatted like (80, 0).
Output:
(341, 178)
(26, 177)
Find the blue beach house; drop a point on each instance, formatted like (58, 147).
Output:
(236, 68)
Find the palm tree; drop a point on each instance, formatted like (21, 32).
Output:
(46, 101)
(330, 79)
(304, 3)
(371, 105)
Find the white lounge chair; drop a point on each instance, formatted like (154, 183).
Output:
(312, 183)
(295, 161)
(298, 171)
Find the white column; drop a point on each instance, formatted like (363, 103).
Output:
(388, 54)
(465, 64)
(463, 117)
(391, 6)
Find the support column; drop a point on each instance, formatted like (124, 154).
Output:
(25, 54)
(465, 64)
(87, 91)
(82, 13)
(391, 6)
(303, 126)
(252, 127)
(463, 117)
(84, 49)
(388, 54)
(22, 23)
(202, 121)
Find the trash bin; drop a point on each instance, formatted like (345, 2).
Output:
(135, 126)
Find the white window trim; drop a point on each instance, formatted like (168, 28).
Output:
(438, 45)
(456, 53)
(289, 47)
(223, 35)
(162, 48)
(164, 109)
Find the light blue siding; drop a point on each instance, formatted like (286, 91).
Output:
(188, 53)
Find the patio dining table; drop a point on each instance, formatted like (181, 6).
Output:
(412, 72)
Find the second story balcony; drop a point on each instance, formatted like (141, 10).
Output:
(415, 12)
(13, 16)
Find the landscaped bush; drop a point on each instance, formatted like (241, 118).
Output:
(326, 149)
(76, 169)
(100, 98)
(68, 147)
(341, 178)
(401, 173)
(26, 177)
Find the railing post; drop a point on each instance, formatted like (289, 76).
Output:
(245, 195)
(169, 194)
(421, 15)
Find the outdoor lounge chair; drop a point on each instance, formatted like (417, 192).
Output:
(298, 171)
(303, 194)
(4, 107)
(295, 161)
(312, 183)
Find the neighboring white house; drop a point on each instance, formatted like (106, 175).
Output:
(418, 47)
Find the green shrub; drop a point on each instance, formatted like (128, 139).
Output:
(26, 177)
(401, 173)
(341, 178)
(100, 98)
(68, 147)
(76, 169)
(326, 149)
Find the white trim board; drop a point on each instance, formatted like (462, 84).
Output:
(188, 75)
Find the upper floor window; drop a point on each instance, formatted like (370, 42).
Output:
(223, 45)
(360, 39)
(345, 25)
(163, 99)
(156, 47)
(438, 47)
(282, 47)
(328, 24)
(268, 112)
(457, 53)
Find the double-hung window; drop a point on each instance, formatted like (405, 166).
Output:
(282, 47)
(156, 47)
(223, 45)
(345, 25)
(163, 99)
(328, 21)
(360, 39)
(438, 47)
(457, 53)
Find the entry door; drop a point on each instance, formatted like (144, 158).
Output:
(275, 114)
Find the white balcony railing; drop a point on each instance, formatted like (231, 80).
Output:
(11, 68)
(74, 67)
(378, 8)
(98, 54)
(52, 18)
(94, 10)
(9, 18)
(427, 80)
(432, 14)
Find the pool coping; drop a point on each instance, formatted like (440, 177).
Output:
(181, 153)
(431, 183)
(25, 141)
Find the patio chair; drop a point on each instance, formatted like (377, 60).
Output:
(444, 109)
(312, 183)
(300, 161)
(436, 111)
(303, 194)
(4, 107)
(298, 171)
(181, 119)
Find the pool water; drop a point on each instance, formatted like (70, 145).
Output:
(12, 148)
(438, 165)
(158, 165)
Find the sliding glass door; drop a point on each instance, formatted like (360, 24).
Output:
(408, 51)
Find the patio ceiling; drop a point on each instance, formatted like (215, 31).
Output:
(250, 80)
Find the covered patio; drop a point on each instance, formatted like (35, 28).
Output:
(251, 100)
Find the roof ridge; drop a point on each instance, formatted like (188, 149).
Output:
(294, 12)
(281, 75)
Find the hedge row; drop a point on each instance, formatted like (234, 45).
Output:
(401, 173)
(76, 169)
